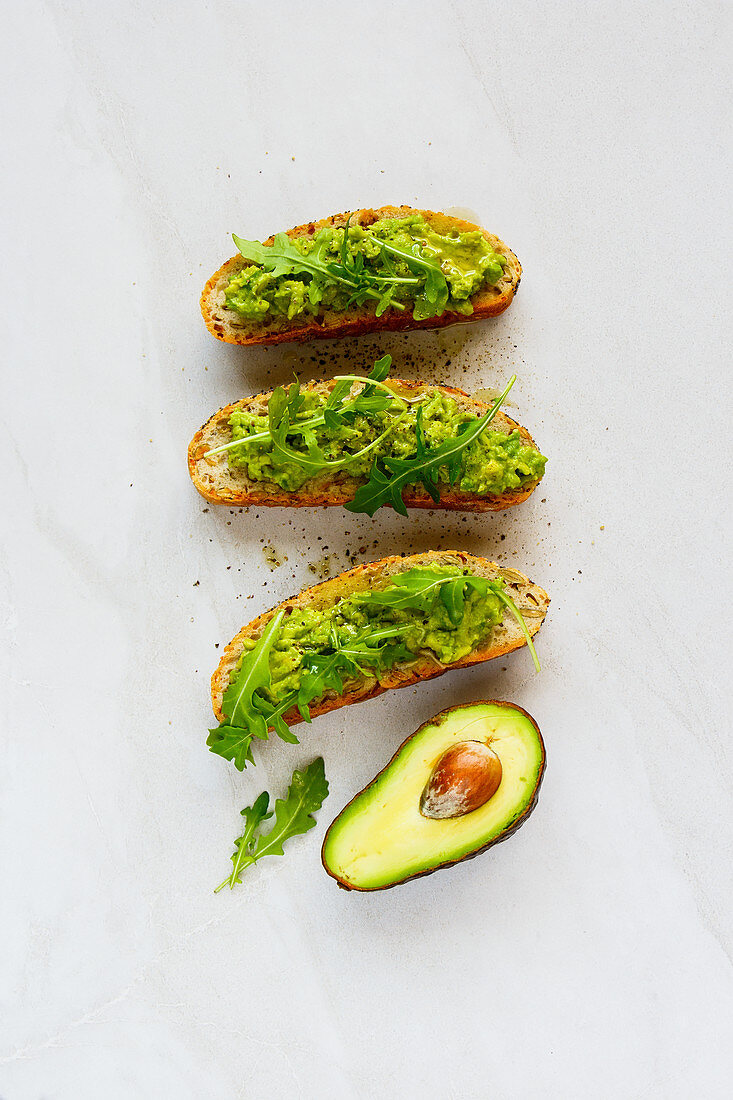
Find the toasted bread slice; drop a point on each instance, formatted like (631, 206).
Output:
(532, 601)
(232, 328)
(222, 484)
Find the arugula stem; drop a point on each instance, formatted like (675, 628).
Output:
(459, 444)
(409, 256)
(428, 588)
(236, 442)
(338, 277)
(370, 446)
(298, 426)
(338, 463)
(316, 421)
(395, 279)
(380, 385)
(231, 880)
(522, 624)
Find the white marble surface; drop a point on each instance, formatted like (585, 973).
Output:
(590, 955)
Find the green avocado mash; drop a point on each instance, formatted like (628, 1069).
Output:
(428, 629)
(466, 260)
(492, 464)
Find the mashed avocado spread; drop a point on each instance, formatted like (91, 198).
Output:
(427, 629)
(466, 260)
(492, 464)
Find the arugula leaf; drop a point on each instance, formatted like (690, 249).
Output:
(340, 406)
(282, 257)
(326, 671)
(293, 816)
(313, 460)
(284, 405)
(253, 816)
(248, 714)
(308, 790)
(386, 488)
(434, 297)
(232, 743)
(252, 675)
(412, 590)
(419, 588)
(379, 371)
(282, 410)
(253, 715)
(509, 602)
(429, 475)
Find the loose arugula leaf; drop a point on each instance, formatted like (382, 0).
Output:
(253, 816)
(308, 790)
(293, 816)
(386, 488)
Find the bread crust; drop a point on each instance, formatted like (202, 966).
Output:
(505, 638)
(219, 484)
(232, 328)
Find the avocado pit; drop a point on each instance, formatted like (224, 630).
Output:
(465, 777)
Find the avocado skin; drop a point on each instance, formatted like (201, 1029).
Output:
(471, 855)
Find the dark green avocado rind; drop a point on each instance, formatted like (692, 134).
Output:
(516, 824)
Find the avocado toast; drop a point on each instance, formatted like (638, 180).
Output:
(383, 625)
(361, 443)
(390, 269)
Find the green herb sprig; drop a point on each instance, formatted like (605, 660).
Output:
(419, 588)
(293, 816)
(386, 481)
(351, 274)
(249, 715)
(341, 407)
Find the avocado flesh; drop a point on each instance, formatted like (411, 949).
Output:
(381, 839)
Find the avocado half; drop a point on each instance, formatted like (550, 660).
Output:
(418, 814)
